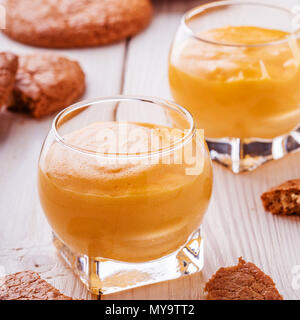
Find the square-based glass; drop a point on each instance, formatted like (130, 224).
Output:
(235, 65)
(124, 183)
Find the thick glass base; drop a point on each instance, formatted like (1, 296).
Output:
(103, 276)
(240, 155)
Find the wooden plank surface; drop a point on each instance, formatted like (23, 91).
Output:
(235, 224)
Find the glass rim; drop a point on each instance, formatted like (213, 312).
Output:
(179, 143)
(202, 8)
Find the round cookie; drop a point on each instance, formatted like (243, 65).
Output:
(8, 69)
(46, 83)
(80, 23)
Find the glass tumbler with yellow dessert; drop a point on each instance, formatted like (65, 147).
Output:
(235, 65)
(124, 183)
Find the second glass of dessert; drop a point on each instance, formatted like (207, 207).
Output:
(235, 66)
(124, 183)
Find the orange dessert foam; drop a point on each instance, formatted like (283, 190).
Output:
(131, 211)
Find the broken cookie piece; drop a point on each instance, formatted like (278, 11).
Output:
(28, 285)
(283, 199)
(46, 83)
(8, 69)
(242, 282)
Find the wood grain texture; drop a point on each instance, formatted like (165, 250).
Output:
(235, 224)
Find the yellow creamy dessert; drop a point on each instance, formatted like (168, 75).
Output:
(241, 81)
(128, 210)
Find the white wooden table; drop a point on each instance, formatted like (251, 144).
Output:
(235, 224)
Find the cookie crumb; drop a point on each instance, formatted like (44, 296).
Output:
(283, 199)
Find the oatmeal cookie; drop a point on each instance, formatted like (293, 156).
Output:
(80, 23)
(28, 285)
(244, 281)
(8, 69)
(46, 83)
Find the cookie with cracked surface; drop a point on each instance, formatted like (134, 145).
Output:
(283, 199)
(80, 23)
(28, 285)
(46, 83)
(8, 69)
(244, 281)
